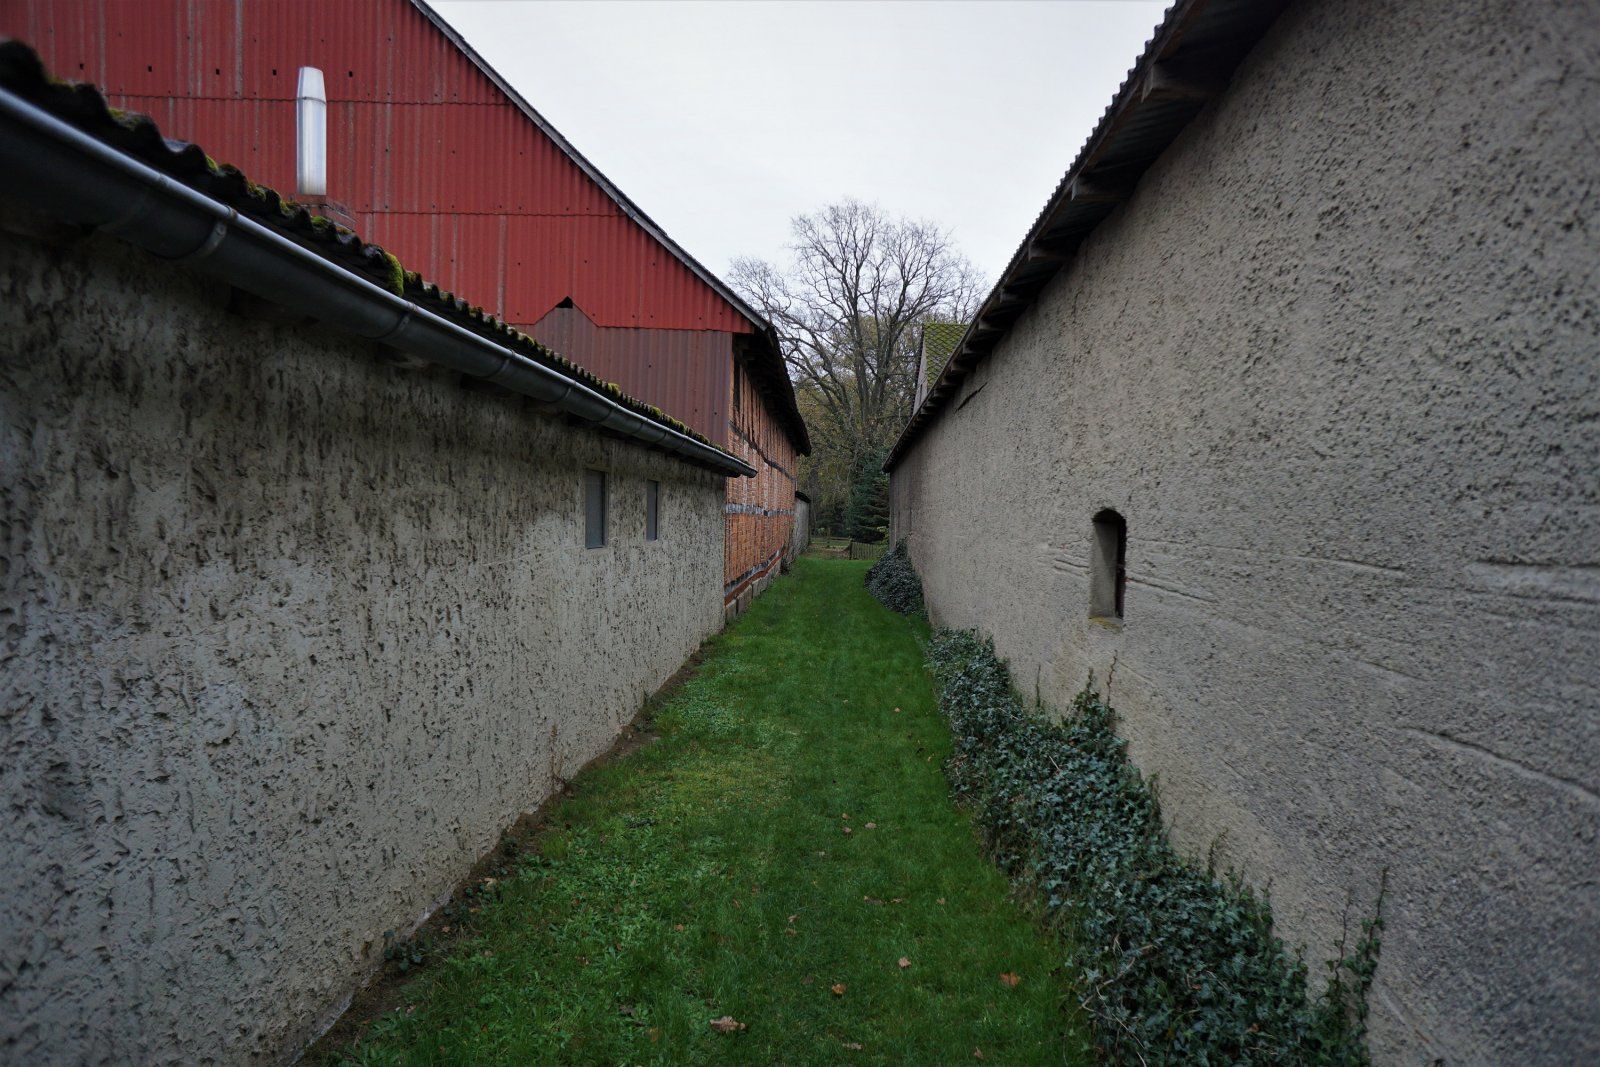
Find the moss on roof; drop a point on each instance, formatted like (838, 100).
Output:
(939, 342)
(83, 107)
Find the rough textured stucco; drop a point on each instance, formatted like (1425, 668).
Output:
(289, 637)
(800, 536)
(1336, 364)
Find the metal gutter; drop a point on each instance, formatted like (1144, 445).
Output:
(1185, 64)
(70, 174)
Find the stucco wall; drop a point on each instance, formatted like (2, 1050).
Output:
(800, 537)
(1337, 365)
(289, 636)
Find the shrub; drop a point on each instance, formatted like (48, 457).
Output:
(894, 581)
(1177, 965)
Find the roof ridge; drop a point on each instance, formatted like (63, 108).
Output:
(1172, 95)
(777, 372)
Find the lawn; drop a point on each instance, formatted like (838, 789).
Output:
(783, 854)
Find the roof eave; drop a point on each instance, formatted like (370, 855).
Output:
(1186, 63)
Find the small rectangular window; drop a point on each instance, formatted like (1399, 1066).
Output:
(652, 511)
(1108, 558)
(594, 509)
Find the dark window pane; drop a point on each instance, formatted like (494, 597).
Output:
(652, 514)
(594, 509)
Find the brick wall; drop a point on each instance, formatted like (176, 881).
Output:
(759, 510)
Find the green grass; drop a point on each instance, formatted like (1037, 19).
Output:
(709, 874)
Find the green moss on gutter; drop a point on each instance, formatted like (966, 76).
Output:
(397, 274)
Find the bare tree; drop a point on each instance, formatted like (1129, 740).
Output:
(847, 308)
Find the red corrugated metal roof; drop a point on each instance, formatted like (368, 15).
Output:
(186, 163)
(433, 158)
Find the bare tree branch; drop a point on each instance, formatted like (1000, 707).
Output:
(847, 311)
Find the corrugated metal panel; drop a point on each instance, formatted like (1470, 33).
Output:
(688, 369)
(421, 144)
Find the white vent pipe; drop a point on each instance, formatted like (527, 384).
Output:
(311, 134)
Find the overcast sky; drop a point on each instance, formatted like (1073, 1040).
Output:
(723, 120)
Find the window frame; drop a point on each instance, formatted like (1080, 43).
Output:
(1108, 567)
(592, 511)
(652, 510)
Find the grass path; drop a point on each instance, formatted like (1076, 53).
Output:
(711, 874)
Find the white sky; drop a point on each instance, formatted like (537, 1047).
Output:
(724, 120)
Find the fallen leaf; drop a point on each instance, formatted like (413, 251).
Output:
(790, 931)
(872, 826)
(626, 1009)
(655, 1034)
(941, 900)
(679, 926)
(904, 963)
(977, 1053)
(792, 918)
(837, 989)
(727, 1025)
(853, 1046)
(1010, 979)
(847, 829)
(897, 711)
(845, 815)
(737, 904)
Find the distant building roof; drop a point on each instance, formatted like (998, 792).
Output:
(939, 342)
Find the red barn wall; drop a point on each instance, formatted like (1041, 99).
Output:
(761, 509)
(432, 159)
(683, 372)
